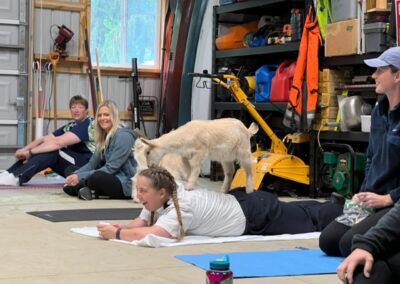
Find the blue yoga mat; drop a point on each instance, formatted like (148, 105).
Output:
(271, 263)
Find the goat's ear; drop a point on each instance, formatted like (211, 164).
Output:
(139, 133)
(147, 142)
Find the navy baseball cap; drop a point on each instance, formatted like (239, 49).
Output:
(390, 56)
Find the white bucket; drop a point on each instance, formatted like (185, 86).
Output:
(365, 123)
(39, 127)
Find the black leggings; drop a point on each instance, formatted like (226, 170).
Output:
(266, 215)
(103, 184)
(336, 238)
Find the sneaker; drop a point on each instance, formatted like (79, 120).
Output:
(85, 193)
(4, 173)
(337, 198)
(9, 179)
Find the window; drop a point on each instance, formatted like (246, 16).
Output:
(123, 29)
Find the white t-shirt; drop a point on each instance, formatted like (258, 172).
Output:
(204, 213)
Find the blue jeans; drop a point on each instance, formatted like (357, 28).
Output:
(38, 162)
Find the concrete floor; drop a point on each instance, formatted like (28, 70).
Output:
(34, 250)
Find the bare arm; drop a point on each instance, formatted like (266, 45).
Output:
(22, 153)
(135, 230)
(58, 142)
(49, 143)
(373, 200)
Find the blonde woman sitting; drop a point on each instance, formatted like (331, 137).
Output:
(109, 171)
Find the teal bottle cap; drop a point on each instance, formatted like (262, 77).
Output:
(220, 263)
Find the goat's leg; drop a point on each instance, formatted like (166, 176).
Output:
(134, 190)
(247, 166)
(195, 164)
(229, 169)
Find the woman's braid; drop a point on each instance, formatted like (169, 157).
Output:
(161, 178)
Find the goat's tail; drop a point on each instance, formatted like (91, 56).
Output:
(253, 128)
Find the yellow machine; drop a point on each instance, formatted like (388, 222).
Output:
(277, 161)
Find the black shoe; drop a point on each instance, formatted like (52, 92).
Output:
(85, 193)
(337, 198)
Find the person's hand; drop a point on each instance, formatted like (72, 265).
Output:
(107, 231)
(373, 200)
(22, 154)
(345, 270)
(19, 153)
(72, 180)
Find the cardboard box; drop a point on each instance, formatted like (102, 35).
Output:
(332, 75)
(330, 87)
(328, 100)
(342, 38)
(318, 122)
(377, 4)
(329, 112)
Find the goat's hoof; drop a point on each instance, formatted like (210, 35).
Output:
(225, 190)
(136, 200)
(248, 191)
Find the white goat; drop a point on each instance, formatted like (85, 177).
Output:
(224, 140)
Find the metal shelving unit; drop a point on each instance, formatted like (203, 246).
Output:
(251, 56)
(254, 54)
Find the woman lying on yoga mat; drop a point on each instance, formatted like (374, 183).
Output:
(170, 211)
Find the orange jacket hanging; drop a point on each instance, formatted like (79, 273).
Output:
(306, 68)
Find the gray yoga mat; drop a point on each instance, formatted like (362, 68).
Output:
(88, 214)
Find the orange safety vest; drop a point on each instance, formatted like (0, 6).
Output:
(307, 64)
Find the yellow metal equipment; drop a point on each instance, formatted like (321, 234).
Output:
(277, 161)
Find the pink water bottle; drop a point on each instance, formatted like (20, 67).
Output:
(219, 272)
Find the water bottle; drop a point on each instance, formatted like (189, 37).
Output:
(219, 272)
(296, 24)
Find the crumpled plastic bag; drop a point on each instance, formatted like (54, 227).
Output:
(353, 213)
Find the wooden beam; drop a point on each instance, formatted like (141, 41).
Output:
(78, 59)
(82, 18)
(75, 62)
(66, 114)
(59, 5)
(143, 72)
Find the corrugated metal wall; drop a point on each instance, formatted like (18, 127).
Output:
(14, 47)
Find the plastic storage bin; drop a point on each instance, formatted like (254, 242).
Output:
(343, 10)
(264, 76)
(365, 123)
(375, 37)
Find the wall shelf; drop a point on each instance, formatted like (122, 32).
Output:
(346, 60)
(249, 6)
(261, 50)
(355, 136)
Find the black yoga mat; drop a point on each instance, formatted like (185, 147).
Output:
(88, 214)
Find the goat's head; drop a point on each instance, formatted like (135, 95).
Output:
(152, 151)
(140, 152)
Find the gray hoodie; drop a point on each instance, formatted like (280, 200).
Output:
(118, 157)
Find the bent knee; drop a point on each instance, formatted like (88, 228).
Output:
(328, 243)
